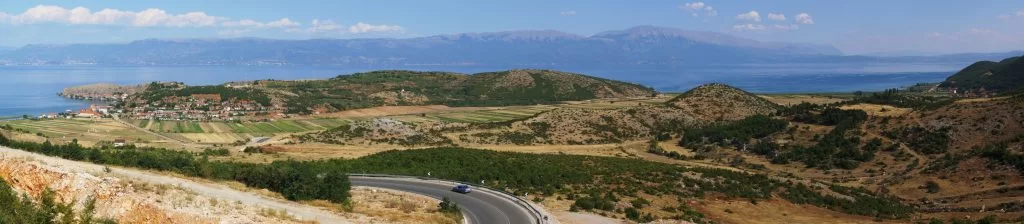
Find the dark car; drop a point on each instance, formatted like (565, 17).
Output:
(462, 188)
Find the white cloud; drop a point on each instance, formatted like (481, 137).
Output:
(750, 16)
(568, 13)
(319, 26)
(281, 23)
(361, 27)
(1020, 12)
(804, 18)
(697, 8)
(155, 17)
(787, 27)
(710, 11)
(749, 26)
(780, 16)
(83, 16)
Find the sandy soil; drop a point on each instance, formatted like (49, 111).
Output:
(879, 110)
(584, 218)
(398, 206)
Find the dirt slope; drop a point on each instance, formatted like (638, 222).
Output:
(128, 195)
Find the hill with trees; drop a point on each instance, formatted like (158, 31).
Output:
(394, 87)
(1003, 76)
(702, 106)
(717, 101)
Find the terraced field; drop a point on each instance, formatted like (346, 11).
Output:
(86, 131)
(280, 126)
(59, 127)
(217, 138)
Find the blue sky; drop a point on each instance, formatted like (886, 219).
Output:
(856, 27)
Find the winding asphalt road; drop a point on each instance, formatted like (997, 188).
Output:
(479, 206)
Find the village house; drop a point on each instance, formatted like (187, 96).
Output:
(199, 107)
(120, 142)
(88, 113)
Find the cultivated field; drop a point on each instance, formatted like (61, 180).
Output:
(280, 126)
(87, 132)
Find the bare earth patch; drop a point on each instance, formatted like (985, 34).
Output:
(787, 100)
(879, 110)
(777, 211)
(398, 206)
(127, 200)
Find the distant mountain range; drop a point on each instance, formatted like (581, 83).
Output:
(637, 46)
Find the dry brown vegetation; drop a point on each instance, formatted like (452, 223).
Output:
(721, 102)
(398, 207)
(789, 100)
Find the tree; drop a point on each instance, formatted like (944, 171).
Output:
(448, 206)
(932, 187)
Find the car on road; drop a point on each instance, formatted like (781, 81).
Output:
(462, 188)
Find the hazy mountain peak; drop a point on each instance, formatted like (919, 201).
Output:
(669, 32)
(632, 46)
(517, 35)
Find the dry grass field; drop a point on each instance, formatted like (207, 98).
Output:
(87, 131)
(793, 99)
(879, 110)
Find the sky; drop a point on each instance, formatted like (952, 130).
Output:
(855, 27)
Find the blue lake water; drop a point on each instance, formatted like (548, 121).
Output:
(33, 89)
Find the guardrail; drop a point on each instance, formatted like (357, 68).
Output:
(537, 214)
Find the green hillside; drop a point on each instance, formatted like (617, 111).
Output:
(385, 88)
(1004, 76)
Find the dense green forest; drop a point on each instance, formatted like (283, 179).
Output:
(572, 176)
(21, 209)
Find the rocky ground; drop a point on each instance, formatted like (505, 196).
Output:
(134, 196)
